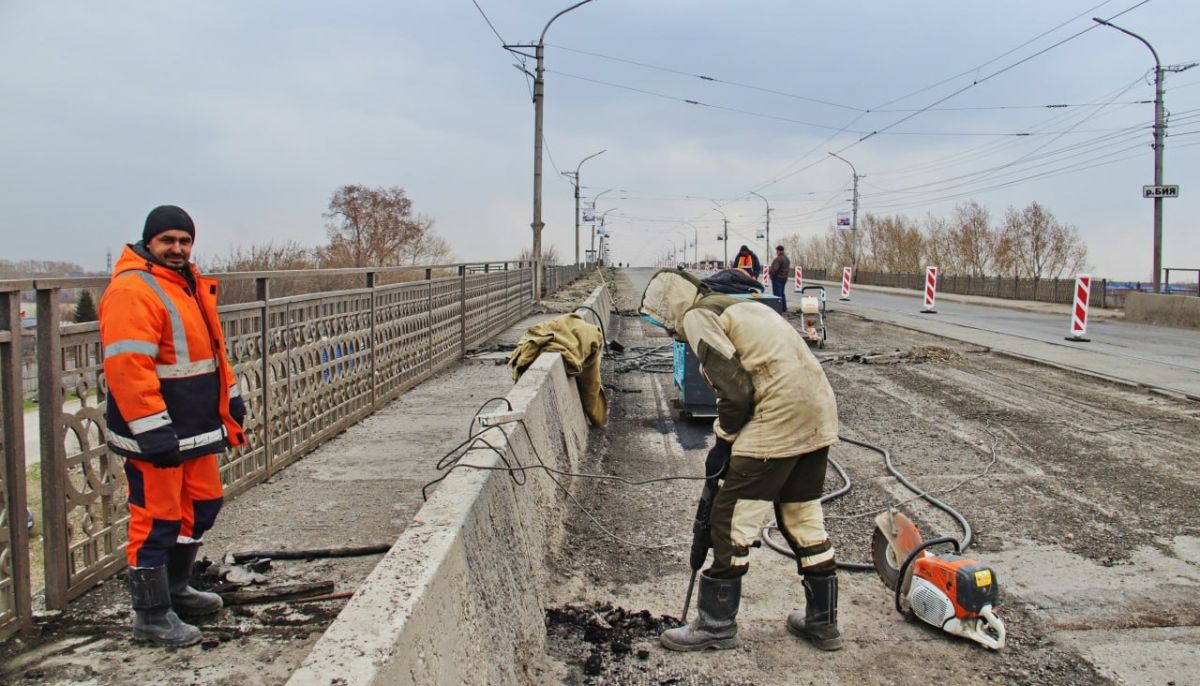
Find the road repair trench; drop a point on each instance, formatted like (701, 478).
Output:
(1082, 495)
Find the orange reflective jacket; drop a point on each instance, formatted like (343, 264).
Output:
(170, 385)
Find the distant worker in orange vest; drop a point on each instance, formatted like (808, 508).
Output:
(748, 262)
(173, 406)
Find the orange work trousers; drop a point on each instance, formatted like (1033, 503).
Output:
(166, 503)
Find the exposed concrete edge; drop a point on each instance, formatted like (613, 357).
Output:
(458, 599)
(599, 302)
(1178, 311)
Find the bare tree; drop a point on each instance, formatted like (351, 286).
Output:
(371, 227)
(972, 242)
(893, 244)
(936, 247)
(429, 248)
(1034, 245)
(263, 257)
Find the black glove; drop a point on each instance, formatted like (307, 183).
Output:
(165, 460)
(716, 465)
(237, 410)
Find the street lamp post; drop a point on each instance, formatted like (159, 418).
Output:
(538, 99)
(602, 216)
(724, 237)
(575, 181)
(767, 254)
(1158, 148)
(695, 243)
(853, 213)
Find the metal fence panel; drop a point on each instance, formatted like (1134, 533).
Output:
(309, 366)
(14, 536)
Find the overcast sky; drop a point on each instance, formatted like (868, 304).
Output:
(250, 114)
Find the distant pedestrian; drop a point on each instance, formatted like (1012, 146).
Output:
(779, 272)
(748, 262)
(173, 406)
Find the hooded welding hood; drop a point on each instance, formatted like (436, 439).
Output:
(670, 293)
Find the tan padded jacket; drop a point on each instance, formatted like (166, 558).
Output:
(773, 399)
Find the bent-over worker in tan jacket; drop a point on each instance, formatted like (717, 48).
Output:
(777, 417)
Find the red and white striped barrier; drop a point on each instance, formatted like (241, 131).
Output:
(1079, 313)
(930, 290)
(799, 279)
(847, 272)
(766, 281)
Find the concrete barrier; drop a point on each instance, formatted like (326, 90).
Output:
(1167, 310)
(459, 598)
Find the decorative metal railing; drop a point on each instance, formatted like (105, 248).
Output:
(310, 364)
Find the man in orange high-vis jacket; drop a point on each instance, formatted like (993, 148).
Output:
(173, 406)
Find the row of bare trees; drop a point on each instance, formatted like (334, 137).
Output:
(1029, 243)
(366, 227)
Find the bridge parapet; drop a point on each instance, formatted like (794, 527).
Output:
(314, 351)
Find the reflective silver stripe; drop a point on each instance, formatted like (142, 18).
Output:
(179, 371)
(201, 439)
(131, 346)
(128, 444)
(154, 421)
(235, 389)
(178, 333)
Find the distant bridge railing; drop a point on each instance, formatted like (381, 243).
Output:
(314, 350)
(1042, 290)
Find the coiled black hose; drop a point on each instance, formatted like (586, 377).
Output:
(961, 544)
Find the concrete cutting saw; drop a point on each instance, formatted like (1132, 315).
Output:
(949, 591)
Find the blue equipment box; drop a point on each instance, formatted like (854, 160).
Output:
(696, 397)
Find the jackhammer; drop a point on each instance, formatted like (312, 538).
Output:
(715, 467)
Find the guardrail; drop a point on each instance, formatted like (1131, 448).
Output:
(310, 365)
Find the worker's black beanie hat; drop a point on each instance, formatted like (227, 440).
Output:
(165, 218)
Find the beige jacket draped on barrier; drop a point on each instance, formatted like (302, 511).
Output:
(581, 345)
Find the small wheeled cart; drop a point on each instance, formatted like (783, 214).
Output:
(812, 315)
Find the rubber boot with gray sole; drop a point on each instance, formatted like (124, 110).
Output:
(716, 624)
(153, 619)
(818, 621)
(185, 600)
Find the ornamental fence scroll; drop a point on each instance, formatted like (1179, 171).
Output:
(310, 364)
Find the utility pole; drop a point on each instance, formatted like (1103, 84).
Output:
(853, 215)
(725, 236)
(695, 243)
(1159, 143)
(538, 100)
(574, 176)
(767, 254)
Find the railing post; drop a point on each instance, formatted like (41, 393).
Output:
(429, 314)
(54, 515)
(462, 309)
(371, 340)
(15, 498)
(262, 293)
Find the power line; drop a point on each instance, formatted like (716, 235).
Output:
(489, 23)
(712, 79)
(783, 176)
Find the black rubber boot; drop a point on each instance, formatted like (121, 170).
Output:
(716, 623)
(185, 600)
(153, 619)
(818, 622)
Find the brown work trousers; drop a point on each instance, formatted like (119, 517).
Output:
(790, 487)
